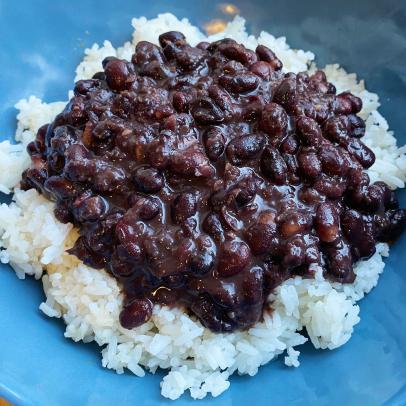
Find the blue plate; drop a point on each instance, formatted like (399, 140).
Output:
(41, 43)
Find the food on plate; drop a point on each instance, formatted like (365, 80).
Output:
(200, 201)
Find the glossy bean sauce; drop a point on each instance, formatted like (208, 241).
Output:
(204, 177)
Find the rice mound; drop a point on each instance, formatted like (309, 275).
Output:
(89, 300)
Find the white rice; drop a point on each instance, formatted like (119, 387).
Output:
(89, 300)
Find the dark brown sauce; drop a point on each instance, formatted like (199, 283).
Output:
(204, 177)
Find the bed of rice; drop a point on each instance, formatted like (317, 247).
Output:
(89, 300)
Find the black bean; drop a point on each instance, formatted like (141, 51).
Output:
(146, 208)
(184, 206)
(309, 164)
(292, 168)
(239, 83)
(107, 178)
(358, 232)
(347, 103)
(203, 45)
(181, 101)
(191, 163)
(339, 262)
(148, 180)
(157, 70)
(120, 268)
(214, 141)
(261, 69)
(238, 53)
(253, 286)
(60, 187)
(294, 252)
(337, 129)
(91, 209)
(222, 99)
(332, 160)
(171, 37)
(293, 222)
(285, 93)
(361, 152)
(394, 225)
(189, 58)
(266, 55)
(308, 131)
(290, 145)
(357, 125)
(202, 263)
(261, 237)
(330, 187)
(211, 315)
(62, 212)
(83, 87)
(130, 239)
(234, 258)
(207, 112)
(327, 222)
(135, 313)
(212, 226)
(309, 195)
(274, 120)
(119, 74)
(80, 170)
(146, 52)
(245, 147)
(273, 166)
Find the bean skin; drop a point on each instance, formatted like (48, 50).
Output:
(293, 222)
(309, 132)
(212, 226)
(234, 257)
(329, 187)
(347, 103)
(358, 233)
(214, 143)
(239, 53)
(294, 252)
(148, 180)
(265, 54)
(337, 129)
(136, 313)
(274, 120)
(171, 37)
(339, 262)
(327, 222)
(261, 235)
(309, 164)
(273, 166)
(332, 161)
(184, 206)
(361, 152)
(244, 147)
(240, 83)
(261, 69)
(119, 74)
(91, 208)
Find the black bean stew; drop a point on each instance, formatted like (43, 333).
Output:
(205, 177)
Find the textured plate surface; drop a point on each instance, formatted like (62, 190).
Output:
(42, 41)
